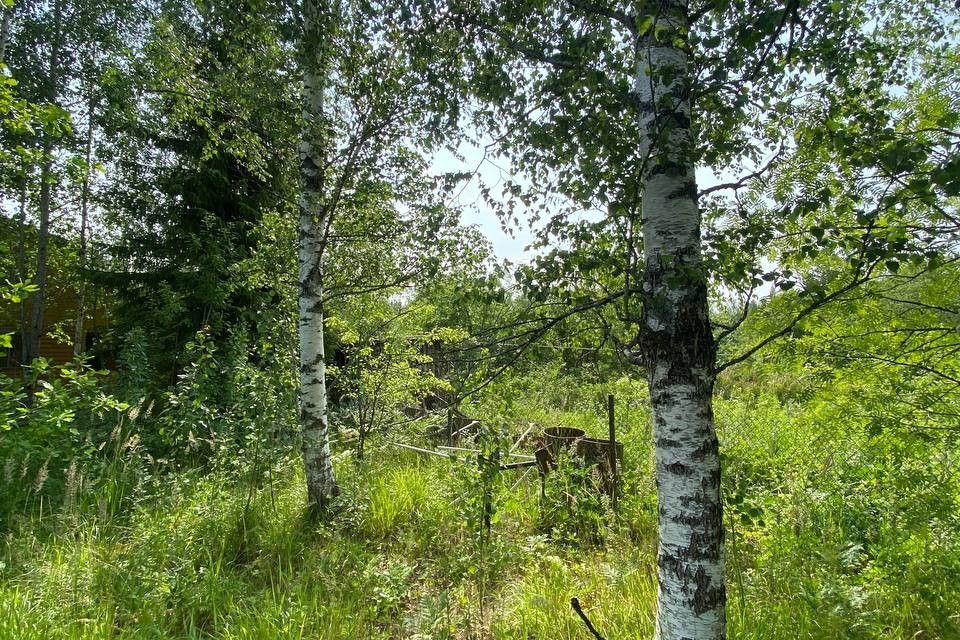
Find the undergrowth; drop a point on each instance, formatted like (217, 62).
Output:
(831, 533)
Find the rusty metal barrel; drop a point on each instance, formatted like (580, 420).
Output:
(597, 452)
(559, 439)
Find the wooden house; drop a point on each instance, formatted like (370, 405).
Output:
(60, 313)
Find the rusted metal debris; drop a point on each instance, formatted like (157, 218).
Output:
(549, 446)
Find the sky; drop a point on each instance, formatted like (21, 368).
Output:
(493, 172)
(510, 246)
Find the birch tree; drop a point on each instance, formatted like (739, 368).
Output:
(676, 345)
(33, 334)
(314, 221)
(368, 108)
(5, 23)
(612, 106)
(82, 252)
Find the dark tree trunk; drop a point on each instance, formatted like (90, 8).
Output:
(46, 193)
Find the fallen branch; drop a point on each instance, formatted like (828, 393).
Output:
(462, 429)
(576, 607)
(518, 465)
(442, 454)
(520, 439)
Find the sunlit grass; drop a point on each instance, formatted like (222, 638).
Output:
(814, 551)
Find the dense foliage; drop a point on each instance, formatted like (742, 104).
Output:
(156, 176)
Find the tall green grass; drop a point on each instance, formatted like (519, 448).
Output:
(831, 533)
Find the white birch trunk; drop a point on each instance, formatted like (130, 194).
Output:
(22, 266)
(677, 346)
(5, 24)
(321, 484)
(38, 302)
(78, 334)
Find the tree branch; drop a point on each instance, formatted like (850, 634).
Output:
(602, 10)
(576, 607)
(533, 334)
(745, 179)
(916, 303)
(796, 320)
(910, 365)
(743, 315)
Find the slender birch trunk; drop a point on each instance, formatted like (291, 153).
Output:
(313, 222)
(46, 192)
(32, 338)
(78, 341)
(5, 25)
(677, 345)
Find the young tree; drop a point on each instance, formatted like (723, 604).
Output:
(83, 231)
(319, 19)
(53, 80)
(366, 104)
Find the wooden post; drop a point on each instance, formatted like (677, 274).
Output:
(486, 466)
(613, 452)
(450, 427)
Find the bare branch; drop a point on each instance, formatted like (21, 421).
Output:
(739, 184)
(535, 333)
(856, 282)
(743, 315)
(575, 603)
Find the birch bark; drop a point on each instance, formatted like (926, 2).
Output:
(22, 266)
(313, 222)
(78, 333)
(5, 24)
(676, 343)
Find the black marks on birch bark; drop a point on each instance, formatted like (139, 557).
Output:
(675, 327)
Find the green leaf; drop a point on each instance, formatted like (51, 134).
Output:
(644, 25)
